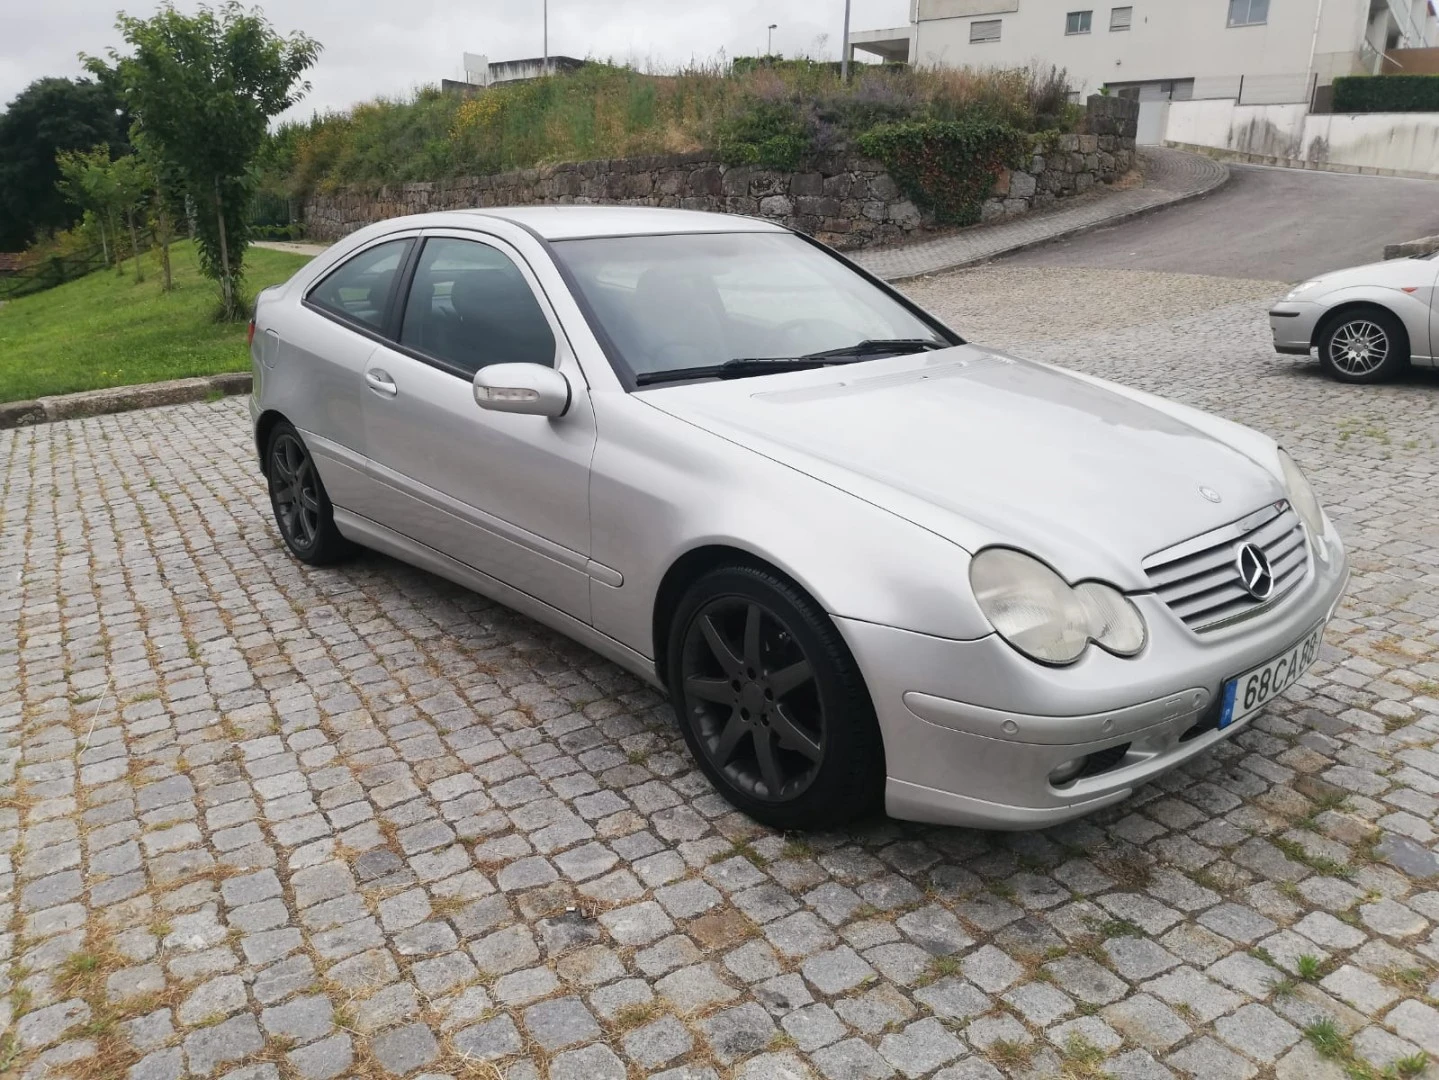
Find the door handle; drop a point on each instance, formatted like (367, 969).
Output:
(380, 382)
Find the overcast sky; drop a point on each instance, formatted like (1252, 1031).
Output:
(380, 47)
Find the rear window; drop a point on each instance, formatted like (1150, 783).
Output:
(359, 289)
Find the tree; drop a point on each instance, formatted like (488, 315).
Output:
(47, 117)
(167, 201)
(133, 183)
(86, 180)
(204, 88)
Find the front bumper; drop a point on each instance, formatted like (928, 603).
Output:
(973, 730)
(1293, 323)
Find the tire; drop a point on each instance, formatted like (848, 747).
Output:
(1366, 345)
(302, 509)
(771, 703)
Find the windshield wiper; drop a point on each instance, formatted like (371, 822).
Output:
(744, 366)
(736, 369)
(876, 346)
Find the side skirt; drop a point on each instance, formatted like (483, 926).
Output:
(371, 534)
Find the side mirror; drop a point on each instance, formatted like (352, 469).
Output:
(531, 389)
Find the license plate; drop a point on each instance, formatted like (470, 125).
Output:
(1254, 689)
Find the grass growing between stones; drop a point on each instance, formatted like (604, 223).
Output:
(105, 330)
(1326, 1038)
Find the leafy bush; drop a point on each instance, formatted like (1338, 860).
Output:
(774, 113)
(947, 166)
(1386, 93)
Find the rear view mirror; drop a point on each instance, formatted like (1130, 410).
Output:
(531, 389)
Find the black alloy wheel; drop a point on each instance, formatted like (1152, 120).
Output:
(771, 702)
(297, 495)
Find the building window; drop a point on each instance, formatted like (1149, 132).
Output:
(1078, 22)
(984, 30)
(1248, 12)
(1120, 18)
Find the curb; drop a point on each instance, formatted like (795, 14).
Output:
(1078, 230)
(46, 410)
(1241, 157)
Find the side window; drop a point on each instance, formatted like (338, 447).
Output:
(358, 289)
(470, 306)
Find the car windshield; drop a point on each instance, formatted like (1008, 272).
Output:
(674, 303)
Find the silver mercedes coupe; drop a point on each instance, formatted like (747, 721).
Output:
(872, 564)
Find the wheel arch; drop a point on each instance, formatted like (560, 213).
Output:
(263, 426)
(689, 568)
(1351, 307)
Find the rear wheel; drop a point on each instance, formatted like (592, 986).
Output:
(771, 703)
(302, 509)
(1367, 345)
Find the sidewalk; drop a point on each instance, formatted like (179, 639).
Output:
(1170, 176)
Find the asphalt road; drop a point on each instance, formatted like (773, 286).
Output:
(1265, 224)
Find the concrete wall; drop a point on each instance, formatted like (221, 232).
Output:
(1405, 144)
(1170, 39)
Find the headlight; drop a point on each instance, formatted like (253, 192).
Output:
(1301, 497)
(1114, 623)
(1041, 615)
(1303, 286)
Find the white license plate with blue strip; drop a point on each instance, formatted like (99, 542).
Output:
(1251, 691)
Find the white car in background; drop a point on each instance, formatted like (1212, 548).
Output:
(1368, 322)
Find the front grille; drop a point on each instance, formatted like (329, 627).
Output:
(1199, 579)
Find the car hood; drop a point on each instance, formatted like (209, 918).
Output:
(985, 448)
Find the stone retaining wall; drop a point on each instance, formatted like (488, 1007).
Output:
(847, 202)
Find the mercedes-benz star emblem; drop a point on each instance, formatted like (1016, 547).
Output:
(1255, 573)
(1209, 493)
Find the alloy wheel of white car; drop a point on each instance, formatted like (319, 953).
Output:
(1364, 347)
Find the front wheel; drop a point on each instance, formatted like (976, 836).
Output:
(771, 703)
(1364, 346)
(302, 509)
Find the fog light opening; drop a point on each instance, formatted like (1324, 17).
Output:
(1067, 772)
(1101, 761)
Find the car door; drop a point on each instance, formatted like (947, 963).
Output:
(320, 361)
(507, 494)
(1434, 308)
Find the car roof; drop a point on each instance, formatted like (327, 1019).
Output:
(574, 222)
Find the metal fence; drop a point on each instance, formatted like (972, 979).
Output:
(52, 270)
(1257, 89)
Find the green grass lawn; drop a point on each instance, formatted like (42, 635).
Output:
(105, 330)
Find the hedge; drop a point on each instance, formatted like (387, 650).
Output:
(1386, 93)
(947, 166)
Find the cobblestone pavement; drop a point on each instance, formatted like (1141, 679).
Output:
(271, 822)
(1169, 176)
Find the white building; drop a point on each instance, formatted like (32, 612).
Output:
(1251, 50)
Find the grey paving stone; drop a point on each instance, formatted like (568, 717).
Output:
(837, 970)
(657, 1044)
(216, 998)
(324, 1059)
(920, 1048)
(738, 1032)
(594, 1062)
(232, 1040)
(1148, 1022)
(813, 1026)
(405, 1049)
(693, 988)
(161, 1065)
(489, 1040)
(1256, 1032)
(784, 1065)
(561, 1022)
(1205, 1059)
(302, 1019)
(852, 1059)
(991, 969)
